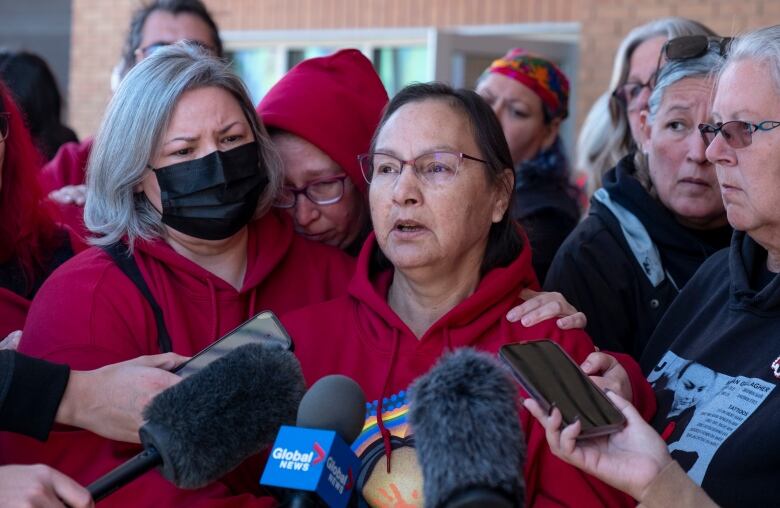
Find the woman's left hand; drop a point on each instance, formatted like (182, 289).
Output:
(606, 372)
(539, 306)
(70, 195)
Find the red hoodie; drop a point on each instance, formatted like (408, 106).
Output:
(68, 167)
(360, 336)
(14, 306)
(89, 314)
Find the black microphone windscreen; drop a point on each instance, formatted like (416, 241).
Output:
(210, 422)
(466, 429)
(334, 403)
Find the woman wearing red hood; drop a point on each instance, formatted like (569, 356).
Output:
(32, 244)
(321, 116)
(443, 266)
(179, 167)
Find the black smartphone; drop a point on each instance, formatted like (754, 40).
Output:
(550, 375)
(263, 328)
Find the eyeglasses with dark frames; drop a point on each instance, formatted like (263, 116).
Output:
(323, 191)
(629, 91)
(434, 168)
(4, 117)
(149, 50)
(736, 133)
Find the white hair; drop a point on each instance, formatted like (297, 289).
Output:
(762, 45)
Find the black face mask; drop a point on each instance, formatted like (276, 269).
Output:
(213, 197)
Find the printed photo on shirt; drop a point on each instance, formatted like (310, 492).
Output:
(699, 408)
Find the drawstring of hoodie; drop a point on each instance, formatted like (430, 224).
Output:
(379, 422)
(253, 303)
(213, 296)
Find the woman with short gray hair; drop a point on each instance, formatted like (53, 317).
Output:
(635, 62)
(180, 182)
(656, 219)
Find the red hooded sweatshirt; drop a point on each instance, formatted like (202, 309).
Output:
(89, 314)
(68, 167)
(360, 336)
(14, 306)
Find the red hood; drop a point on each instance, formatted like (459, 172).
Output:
(263, 255)
(464, 325)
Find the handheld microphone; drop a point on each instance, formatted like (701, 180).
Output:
(313, 459)
(467, 433)
(204, 426)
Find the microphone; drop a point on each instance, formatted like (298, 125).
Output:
(467, 434)
(313, 459)
(204, 426)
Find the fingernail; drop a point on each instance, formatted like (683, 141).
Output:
(549, 411)
(585, 365)
(512, 317)
(525, 321)
(607, 390)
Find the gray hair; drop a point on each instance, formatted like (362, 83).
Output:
(673, 71)
(132, 130)
(592, 141)
(762, 45)
(619, 142)
(705, 66)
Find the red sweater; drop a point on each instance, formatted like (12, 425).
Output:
(360, 336)
(89, 314)
(68, 167)
(14, 306)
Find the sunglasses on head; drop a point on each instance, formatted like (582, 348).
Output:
(736, 133)
(679, 48)
(690, 46)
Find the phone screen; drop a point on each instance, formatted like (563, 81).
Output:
(264, 328)
(550, 375)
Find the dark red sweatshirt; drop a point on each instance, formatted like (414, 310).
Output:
(360, 336)
(89, 314)
(15, 297)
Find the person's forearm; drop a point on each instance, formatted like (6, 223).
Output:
(75, 401)
(672, 487)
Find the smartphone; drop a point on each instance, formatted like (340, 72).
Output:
(264, 328)
(550, 376)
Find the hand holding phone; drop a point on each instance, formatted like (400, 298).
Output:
(263, 328)
(550, 376)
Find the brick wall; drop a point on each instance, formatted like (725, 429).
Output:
(99, 28)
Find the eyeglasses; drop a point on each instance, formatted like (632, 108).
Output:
(736, 133)
(435, 168)
(690, 46)
(628, 92)
(149, 50)
(4, 125)
(325, 191)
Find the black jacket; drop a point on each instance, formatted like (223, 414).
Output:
(547, 209)
(624, 264)
(30, 393)
(717, 350)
